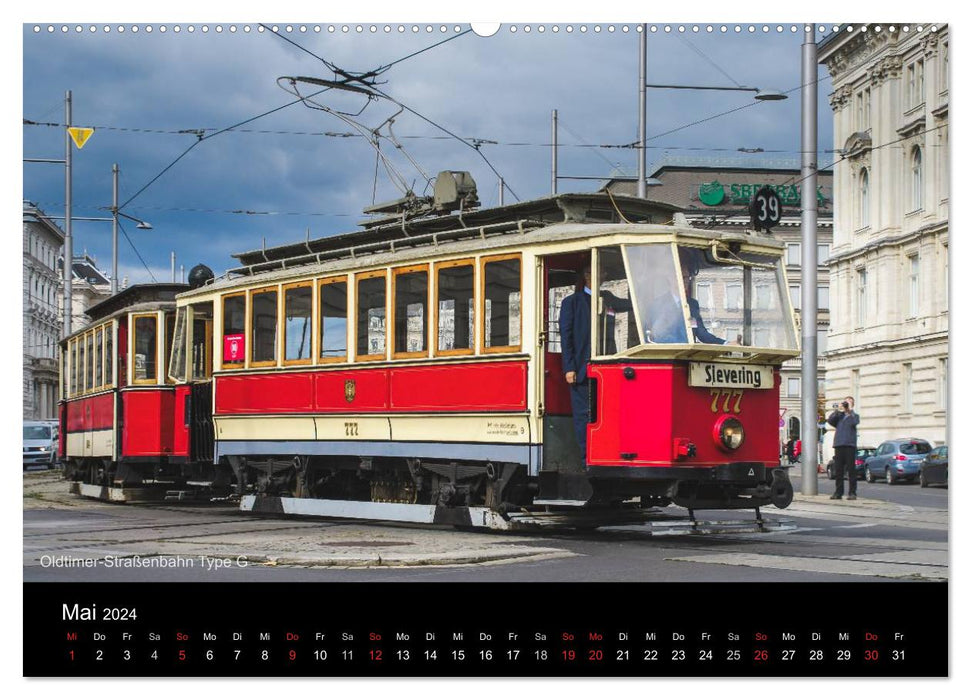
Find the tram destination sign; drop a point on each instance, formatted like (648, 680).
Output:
(712, 374)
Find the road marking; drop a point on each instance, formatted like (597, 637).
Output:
(819, 565)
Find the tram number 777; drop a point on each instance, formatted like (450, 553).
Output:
(727, 395)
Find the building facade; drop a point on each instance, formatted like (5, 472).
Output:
(888, 344)
(42, 306)
(89, 286)
(714, 193)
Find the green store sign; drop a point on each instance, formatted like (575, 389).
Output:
(714, 193)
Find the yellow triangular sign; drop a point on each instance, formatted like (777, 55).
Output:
(80, 135)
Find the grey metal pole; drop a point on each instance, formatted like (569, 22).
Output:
(68, 271)
(809, 261)
(502, 191)
(642, 117)
(553, 184)
(114, 229)
(182, 274)
(173, 266)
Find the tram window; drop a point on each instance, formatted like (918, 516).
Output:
(98, 358)
(177, 356)
(411, 311)
(201, 341)
(146, 349)
(169, 340)
(109, 356)
(502, 282)
(234, 330)
(456, 307)
(264, 321)
(89, 361)
(333, 319)
(616, 325)
(74, 367)
(371, 329)
(298, 323)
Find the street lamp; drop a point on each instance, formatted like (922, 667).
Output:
(760, 95)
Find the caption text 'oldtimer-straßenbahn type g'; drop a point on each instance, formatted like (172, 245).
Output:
(414, 370)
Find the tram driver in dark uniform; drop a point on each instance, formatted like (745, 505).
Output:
(575, 341)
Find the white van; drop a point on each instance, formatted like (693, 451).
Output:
(40, 444)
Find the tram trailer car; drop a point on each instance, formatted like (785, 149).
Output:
(122, 433)
(413, 371)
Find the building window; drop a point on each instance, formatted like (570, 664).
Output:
(793, 253)
(333, 319)
(908, 387)
(864, 198)
(733, 297)
(822, 297)
(915, 83)
(795, 294)
(793, 386)
(822, 254)
(762, 338)
(916, 180)
(763, 296)
(703, 295)
(942, 382)
(861, 299)
(821, 342)
(914, 262)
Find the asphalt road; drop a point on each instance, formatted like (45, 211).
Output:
(892, 533)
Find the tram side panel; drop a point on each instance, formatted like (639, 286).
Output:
(147, 423)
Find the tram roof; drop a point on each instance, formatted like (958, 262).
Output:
(596, 207)
(138, 294)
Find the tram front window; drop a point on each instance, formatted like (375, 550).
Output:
(617, 327)
(684, 295)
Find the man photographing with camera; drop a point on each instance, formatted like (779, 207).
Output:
(845, 420)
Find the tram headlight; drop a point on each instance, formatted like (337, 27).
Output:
(729, 433)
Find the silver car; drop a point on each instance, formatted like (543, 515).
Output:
(40, 444)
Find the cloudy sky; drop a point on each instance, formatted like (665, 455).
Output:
(150, 95)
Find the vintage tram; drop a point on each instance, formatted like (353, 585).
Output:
(413, 371)
(120, 437)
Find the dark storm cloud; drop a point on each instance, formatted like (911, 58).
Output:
(501, 88)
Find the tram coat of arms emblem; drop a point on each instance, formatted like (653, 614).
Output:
(350, 389)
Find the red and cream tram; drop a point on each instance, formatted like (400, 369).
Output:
(413, 371)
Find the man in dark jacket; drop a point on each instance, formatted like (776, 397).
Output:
(845, 420)
(575, 341)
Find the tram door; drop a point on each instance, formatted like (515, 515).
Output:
(200, 377)
(561, 452)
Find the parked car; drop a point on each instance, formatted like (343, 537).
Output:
(861, 456)
(897, 460)
(934, 468)
(40, 444)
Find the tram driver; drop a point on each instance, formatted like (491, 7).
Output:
(575, 339)
(665, 319)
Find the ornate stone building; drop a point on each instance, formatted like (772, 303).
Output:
(43, 240)
(888, 342)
